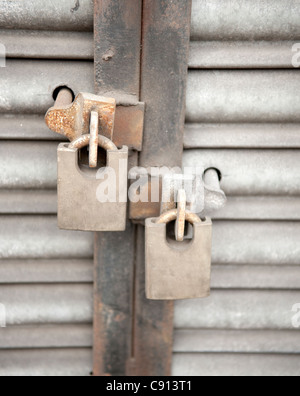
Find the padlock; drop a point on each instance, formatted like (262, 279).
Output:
(178, 270)
(79, 207)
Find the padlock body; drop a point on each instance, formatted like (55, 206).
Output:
(178, 270)
(78, 205)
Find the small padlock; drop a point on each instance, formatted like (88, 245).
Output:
(178, 270)
(79, 207)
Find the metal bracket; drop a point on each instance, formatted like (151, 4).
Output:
(123, 124)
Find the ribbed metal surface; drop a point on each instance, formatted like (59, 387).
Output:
(72, 303)
(48, 45)
(251, 172)
(239, 135)
(39, 304)
(268, 277)
(243, 96)
(245, 365)
(241, 54)
(28, 202)
(68, 15)
(36, 169)
(238, 309)
(46, 271)
(75, 362)
(27, 85)
(256, 242)
(81, 271)
(245, 20)
(35, 237)
(244, 122)
(26, 127)
(46, 336)
(246, 172)
(255, 341)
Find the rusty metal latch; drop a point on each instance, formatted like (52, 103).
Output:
(122, 124)
(82, 119)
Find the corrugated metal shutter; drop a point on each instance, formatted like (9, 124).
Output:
(243, 117)
(245, 122)
(45, 274)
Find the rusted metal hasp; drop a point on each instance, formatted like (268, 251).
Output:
(73, 120)
(123, 124)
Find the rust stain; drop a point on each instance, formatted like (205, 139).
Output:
(124, 125)
(129, 126)
(73, 120)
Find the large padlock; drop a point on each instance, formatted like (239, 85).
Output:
(178, 270)
(79, 204)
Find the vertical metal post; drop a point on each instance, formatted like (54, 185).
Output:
(165, 45)
(133, 335)
(117, 74)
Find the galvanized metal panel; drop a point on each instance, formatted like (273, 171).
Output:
(256, 242)
(225, 309)
(81, 271)
(255, 172)
(27, 85)
(256, 277)
(78, 362)
(47, 45)
(223, 96)
(237, 309)
(251, 172)
(242, 135)
(47, 15)
(241, 54)
(75, 362)
(239, 208)
(28, 165)
(240, 341)
(46, 271)
(28, 202)
(26, 127)
(228, 365)
(246, 20)
(237, 242)
(260, 208)
(203, 55)
(46, 336)
(243, 96)
(47, 304)
(36, 237)
(196, 341)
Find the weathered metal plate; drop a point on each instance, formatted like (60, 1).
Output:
(117, 27)
(129, 126)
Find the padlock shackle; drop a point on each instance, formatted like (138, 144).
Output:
(84, 140)
(171, 215)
